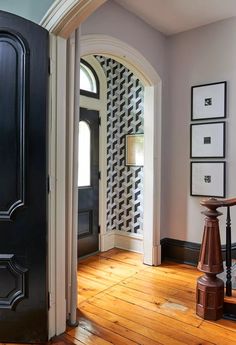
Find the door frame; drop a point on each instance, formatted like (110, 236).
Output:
(61, 20)
(135, 62)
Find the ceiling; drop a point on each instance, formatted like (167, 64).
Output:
(173, 16)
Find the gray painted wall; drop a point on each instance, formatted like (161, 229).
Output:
(113, 20)
(33, 10)
(199, 56)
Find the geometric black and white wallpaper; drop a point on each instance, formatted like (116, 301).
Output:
(125, 109)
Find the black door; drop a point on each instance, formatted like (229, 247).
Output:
(23, 187)
(88, 182)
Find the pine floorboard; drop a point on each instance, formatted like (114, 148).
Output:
(123, 302)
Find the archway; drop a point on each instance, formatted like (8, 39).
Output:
(62, 19)
(131, 58)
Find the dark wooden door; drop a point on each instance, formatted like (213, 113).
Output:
(88, 182)
(23, 180)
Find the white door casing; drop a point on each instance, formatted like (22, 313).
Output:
(134, 61)
(61, 20)
(64, 16)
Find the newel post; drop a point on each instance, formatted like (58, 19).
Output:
(210, 289)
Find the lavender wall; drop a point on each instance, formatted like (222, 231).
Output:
(198, 56)
(113, 20)
(203, 55)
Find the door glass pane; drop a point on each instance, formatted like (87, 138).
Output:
(84, 172)
(87, 79)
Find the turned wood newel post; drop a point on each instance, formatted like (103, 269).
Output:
(210, 289)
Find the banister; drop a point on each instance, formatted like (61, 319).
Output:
(215, 203)
(228, 254)
(210, 289)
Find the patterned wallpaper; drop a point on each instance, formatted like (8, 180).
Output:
(125, 97)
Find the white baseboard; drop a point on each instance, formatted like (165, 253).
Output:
(131, 242)
(152, 255)
(122, 240)
(156, 255)
(128, 241)
(107, 241)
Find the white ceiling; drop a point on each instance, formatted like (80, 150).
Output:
(173, 16)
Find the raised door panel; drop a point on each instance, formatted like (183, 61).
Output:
(13, 71)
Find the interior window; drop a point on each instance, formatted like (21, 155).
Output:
(84, 170)
(88, 81)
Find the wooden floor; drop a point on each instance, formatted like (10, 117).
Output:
(122, 301)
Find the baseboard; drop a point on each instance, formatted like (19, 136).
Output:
(128, 241)
(185, 252)
(107, 241)
(152, 257)
(122, 240)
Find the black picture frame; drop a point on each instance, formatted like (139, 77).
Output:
(223, 182)
(208, 99)
(209, 140)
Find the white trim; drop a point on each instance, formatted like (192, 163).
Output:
(156, 255)
(69, 164)
(128, 241)
(130, 57)
(62, 19)
(60, 185)
(52, 194)
(152, 173)
(107, 240)
(122, 240)
(157, 181)
(64, 16)
(57, 146)
(73, 103)
(124, 53)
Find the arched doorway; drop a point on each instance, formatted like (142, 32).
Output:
(62, 21)
(134, 61)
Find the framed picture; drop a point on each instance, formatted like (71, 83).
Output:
(207, 179)
(207, 140)
(208, 101)
(134, 149)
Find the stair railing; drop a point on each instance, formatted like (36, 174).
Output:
(228, 254)
(210, 288)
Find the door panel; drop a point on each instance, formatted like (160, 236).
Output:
(23, 180)
(89, 193)
(13, 64)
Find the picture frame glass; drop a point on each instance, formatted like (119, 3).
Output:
(208, 179)
(135, 149)
(208, 101)
(208, 140)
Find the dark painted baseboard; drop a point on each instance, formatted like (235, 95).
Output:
(185, 252)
